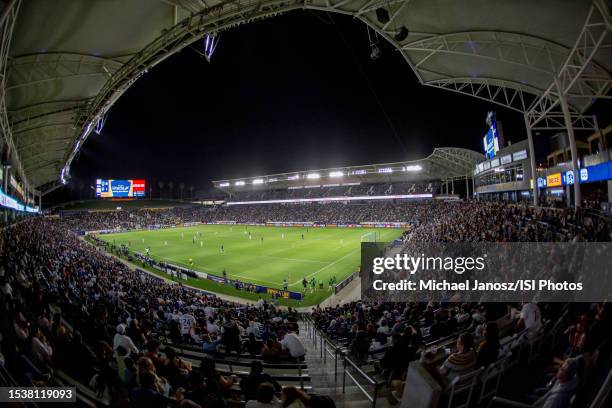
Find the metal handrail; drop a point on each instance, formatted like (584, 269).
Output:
(328, 347)
(346, 372)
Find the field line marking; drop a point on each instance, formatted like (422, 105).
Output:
(290, 259)
(328, 265)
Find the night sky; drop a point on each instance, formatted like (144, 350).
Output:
(295, 92)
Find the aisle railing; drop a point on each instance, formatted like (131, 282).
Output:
(328, 348)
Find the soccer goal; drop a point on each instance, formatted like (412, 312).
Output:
(373, 236)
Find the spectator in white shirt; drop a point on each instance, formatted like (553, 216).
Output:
(211, 327)
(293, 346)
(121, 339)
(531, 319)
(253, 328)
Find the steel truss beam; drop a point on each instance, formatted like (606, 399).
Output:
(509, 48)
(41, 68)
(579, 74)
(555, 121)
(505, 93)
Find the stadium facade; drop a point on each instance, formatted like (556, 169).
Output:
(444, 166)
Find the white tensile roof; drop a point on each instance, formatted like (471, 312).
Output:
(69, 61)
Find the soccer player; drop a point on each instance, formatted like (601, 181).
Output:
(313, 284)
(262, 240)
(302, 237)
(321, 284)
(225, 275)
(305, 283)
(191, 262)
(285, 285)
(222, 249)
(201, 244)
(193, 240)
(282, 236)
(331, 283)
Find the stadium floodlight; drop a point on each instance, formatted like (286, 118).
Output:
(239, 183)
(336, 174)
(258, 181)
(272, 180)
(414, 167)
(385, 170)
(313, 176)
(359, 172)
(224, 184)
(294, 177)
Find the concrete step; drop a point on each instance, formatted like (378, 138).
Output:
(324, 382)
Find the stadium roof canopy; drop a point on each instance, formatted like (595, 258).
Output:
(67, 61)
(445, 163)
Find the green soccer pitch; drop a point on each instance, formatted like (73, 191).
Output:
(269, 256)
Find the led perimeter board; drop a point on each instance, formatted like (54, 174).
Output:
(106, 188)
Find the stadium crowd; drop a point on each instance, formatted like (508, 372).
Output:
(429, 220)
(68, 306)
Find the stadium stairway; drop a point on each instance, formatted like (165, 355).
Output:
(325, 382)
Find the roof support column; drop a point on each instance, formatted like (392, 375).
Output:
(572, 142)
(467, 188)
(532, 160)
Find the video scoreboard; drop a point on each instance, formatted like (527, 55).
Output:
(108, 188)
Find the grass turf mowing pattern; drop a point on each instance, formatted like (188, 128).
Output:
(282, 254)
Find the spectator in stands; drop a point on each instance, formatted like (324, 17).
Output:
(576, 336)
(209, 345)
(359, 347)
(122, 340)
(396, 359)
(256, 377)
(462, 361)
(154, 354)
(81, 361)
(264, 398)
(378, 345)
(272, 350)
(488, 351)
(563, 387)
(41, 350)
(293, 347)
(176, 369)
(147, 395)
(530, 320)
(231, 337)
(207, 366)
(135, 333)
(291, 397)
(252, 345)
(145, 365)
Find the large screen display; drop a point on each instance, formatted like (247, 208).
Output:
(106, 188)
(491, 141)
